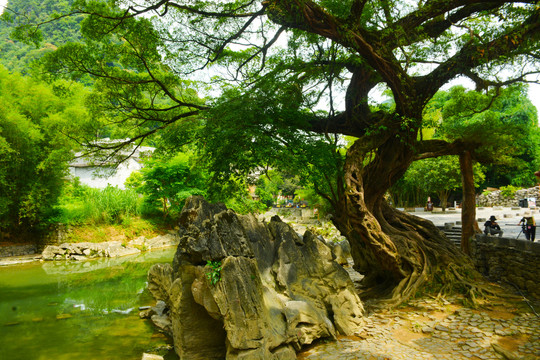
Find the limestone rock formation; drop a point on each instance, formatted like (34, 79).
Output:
(274, 290)
(341, 250)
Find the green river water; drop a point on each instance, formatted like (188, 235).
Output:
(85, 310)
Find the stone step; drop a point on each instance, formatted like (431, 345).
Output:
(453, 234)
(453, 231)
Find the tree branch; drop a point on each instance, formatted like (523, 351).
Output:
(132, 11)
(429, 21)
(308, 16)
(473, 55)
(435, 147)
(236, 35)
(357, 8)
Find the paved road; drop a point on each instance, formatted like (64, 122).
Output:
(506, 217)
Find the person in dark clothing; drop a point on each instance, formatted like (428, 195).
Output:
(529, 225)
(491, 227)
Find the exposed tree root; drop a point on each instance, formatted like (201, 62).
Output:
(467, 282)
(447, 280)
(400, 255)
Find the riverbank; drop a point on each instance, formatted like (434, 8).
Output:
(110, 249)
(19, 254)
(17, 250)
(131, 230)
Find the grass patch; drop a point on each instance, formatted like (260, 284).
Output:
(109, 214)
(80, 204)
(138, 226)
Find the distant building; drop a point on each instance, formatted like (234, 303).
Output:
(97, 174)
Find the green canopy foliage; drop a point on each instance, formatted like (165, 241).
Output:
(267, 96)
(503, 124)
(248, 132)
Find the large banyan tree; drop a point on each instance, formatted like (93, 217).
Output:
(283, 67)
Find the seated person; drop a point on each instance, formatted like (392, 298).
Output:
(529, 225)
(491, 227)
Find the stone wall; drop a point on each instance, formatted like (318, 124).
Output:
(56, 234)
(18, 250)
(509, 261)
(495, 198)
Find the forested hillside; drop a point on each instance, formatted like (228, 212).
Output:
(15, 55)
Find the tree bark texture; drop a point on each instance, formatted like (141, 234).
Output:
(396, 252)
(468, 207)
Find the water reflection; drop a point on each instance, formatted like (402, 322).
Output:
(87, 310)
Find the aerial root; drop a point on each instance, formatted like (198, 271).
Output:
(479, 289)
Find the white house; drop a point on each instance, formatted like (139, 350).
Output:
(98, 175)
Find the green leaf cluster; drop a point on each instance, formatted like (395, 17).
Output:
(502, 124)
(214, 273)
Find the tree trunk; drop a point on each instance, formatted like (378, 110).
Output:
(468, 207)
(165, 208)
(396, 252)
(443, 196)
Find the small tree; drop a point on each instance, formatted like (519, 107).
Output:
(268, 186)
(170, 182)
(440, 176)
(503, 125)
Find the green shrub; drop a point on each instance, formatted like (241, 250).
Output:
(509, 191)
(245, 205)
(214, 273)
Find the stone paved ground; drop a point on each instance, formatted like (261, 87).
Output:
(428, 329)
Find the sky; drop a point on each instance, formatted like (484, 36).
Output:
(534, 89)
(534, 96)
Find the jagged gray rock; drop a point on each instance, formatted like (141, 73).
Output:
(341, 250)
(277, 291)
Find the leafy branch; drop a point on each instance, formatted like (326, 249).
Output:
(214, 273)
